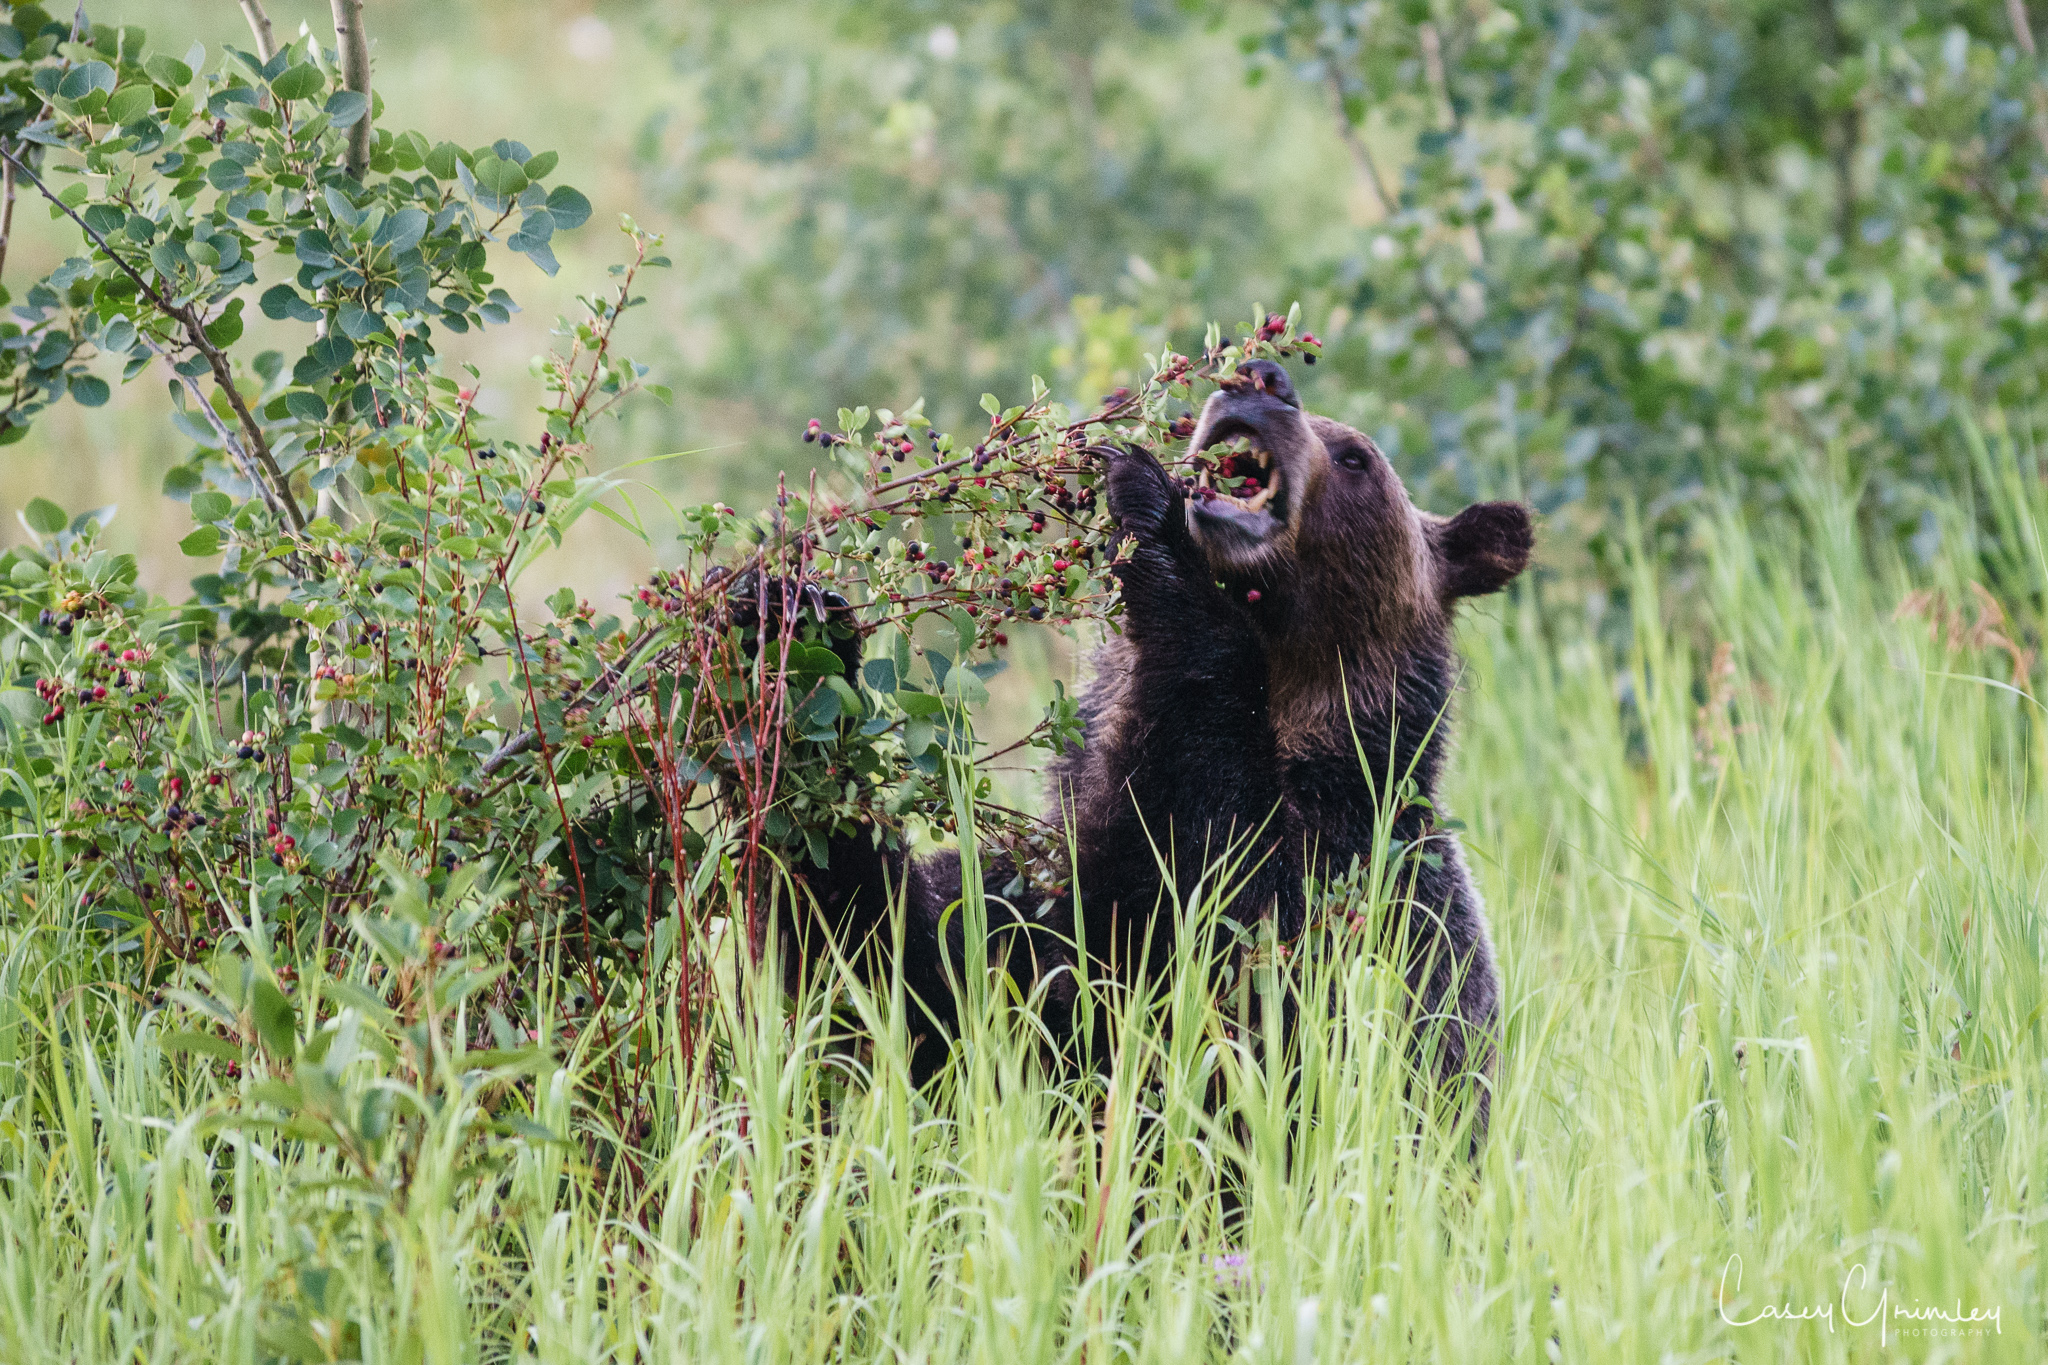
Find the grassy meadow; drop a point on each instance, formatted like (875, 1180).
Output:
(1769, 903)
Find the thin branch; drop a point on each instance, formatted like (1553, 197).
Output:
(277, 491)
(1451, 120)
(259, 24)
(6, 212)
(2022, 31)
(1439, 82)
(1368, 170)
(1361, 154)
(2023, 34)
(220, 429)
(352, 45)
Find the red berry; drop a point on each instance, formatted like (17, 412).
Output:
(1252, 595)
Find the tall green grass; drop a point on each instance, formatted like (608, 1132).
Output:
(1769, 898)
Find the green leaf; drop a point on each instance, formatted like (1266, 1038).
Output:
(534, 231)
(408, 150)
(920, 704)
(89, 390)
(299, 82)
(283, 1094)
(207, 1044)
(168, 72)
(201, 543)
(131, 104)
(528, 1129)
(346, 107)
(323, 358)
(991, 405)
(282, 301)
(211, 505)
(357, 322)
(46, 518)
(168, 256)
(817, 714)
(538, 167)
(307, 407)
(342, 207)
(812, 660)
(570, 209)
(226, 175)
(226, 329)
(402, 231)
(313, 247)
(81, 81)
(963, 687)
(373, 1121)
(442, 161)
(850, 703)
(542, 255)
(105, 219)
(276, 1022)
(501, 177)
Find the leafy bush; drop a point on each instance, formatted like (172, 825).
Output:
(1601, 257)
(352, 695)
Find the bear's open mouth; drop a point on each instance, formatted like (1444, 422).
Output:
(1245, 500)
(1243, 495)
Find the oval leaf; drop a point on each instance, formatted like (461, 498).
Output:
(570, 209)
(45, 518)
(299, 82)
(201, 543)
(276, 1022)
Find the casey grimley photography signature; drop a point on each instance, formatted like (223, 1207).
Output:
(1884, 1314)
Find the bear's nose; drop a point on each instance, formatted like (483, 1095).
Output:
(1266, 376)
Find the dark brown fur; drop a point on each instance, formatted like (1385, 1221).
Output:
(1279, 667)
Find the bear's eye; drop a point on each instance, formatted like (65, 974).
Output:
(1352, 457)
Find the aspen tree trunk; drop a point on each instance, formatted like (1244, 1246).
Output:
(259, 24)
(353, 47)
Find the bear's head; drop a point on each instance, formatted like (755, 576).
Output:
(1339, 569)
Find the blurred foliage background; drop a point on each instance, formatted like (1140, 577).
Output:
(1606, 257)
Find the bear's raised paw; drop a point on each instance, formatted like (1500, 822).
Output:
(1141, 496)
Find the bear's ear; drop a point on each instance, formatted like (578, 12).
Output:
(1481, 549)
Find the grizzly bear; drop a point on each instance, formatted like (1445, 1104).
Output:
(1285, 667)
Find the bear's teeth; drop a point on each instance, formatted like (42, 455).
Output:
(1263, 496)
(1264, 457)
